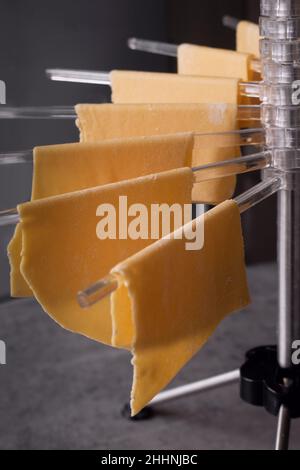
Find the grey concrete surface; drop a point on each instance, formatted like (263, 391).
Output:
(61, 391)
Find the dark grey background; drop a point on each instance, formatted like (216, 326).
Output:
(92, 34)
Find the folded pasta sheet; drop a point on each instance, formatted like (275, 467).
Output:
(247, 38)
(209, 61)
(170, 299)
(68, 245)
(97, 122)
(152, 87)
(60, 169)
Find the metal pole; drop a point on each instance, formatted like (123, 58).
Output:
(289, 268)
(283, 429)
(279, 28)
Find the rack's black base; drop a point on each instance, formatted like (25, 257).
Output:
(262, 382)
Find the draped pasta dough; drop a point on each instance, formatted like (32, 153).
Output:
(62, 255)
(97, 122)
(210, 61)
(247, 38)
(60, 169)
(103, 121)
(173, 299)
(157, 87)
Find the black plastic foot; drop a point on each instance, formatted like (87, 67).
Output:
(262, 382)
(146, 413)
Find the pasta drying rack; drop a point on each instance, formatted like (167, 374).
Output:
(268, 377)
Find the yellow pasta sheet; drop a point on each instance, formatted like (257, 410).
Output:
(65, 168)
(98, 122)
(209, 61)
(62, 254)
(155, 87)
(60, 169)
(170, 300)
(247, 38)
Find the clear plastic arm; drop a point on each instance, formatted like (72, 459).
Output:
(235, 166)
(202, 173)
(230, 22)
(170, 50)
(9, 217)
(68, 112)
(12, 158)
(98, 291)
(79, 76)
(37, 112)
(243, 138)
(258, 193)
(249, 89)
(109, 284)
(154, 47)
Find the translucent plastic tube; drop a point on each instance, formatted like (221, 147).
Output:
(250, 89)
(202, 173)
(98, 291)
(231, 167)
(233, 139)
(12, 158)
(258, 193)
(68, 112)
(284, 145)
(241, 138)
(230, 22)
(277, 94)
(163, 48)
(79, 76)
(154, 47)
(37, 112)
(9, 217)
